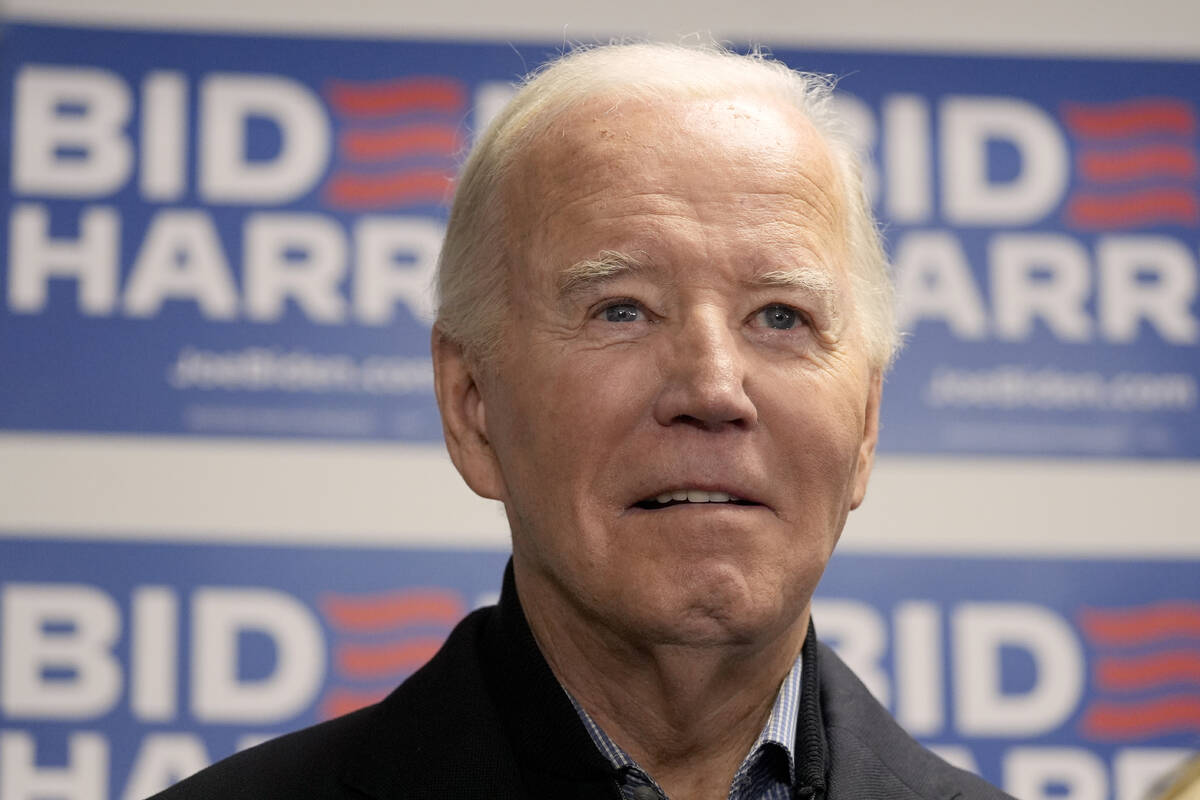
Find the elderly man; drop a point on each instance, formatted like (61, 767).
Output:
(664, 322)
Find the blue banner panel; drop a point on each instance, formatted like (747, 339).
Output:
(125, 665)
(234, 235)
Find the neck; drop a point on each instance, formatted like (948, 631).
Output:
(688, 714)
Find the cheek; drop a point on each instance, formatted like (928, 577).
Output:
(599, 387)
(563, 417)
(818, 430)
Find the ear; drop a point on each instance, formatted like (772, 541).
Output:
(464, 418)
(866, 451)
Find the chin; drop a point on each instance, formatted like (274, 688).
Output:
(709, 607)
(701, 626)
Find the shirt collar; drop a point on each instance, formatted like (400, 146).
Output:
(779, 730)
(781, 724)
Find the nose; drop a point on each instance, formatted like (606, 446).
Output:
(705, 383)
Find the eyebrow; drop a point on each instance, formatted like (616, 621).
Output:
(817, 281)
(607, 265)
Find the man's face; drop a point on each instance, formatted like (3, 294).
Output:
(681, 324)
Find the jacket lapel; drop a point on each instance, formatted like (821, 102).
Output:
(485, 718)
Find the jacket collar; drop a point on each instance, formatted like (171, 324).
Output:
(545, 729)
(812, 749)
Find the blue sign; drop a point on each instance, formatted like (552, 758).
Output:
(219, 234)
(128, 665)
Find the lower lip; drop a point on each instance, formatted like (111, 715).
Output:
(700, 507)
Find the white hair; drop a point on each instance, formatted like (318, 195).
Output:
(473, 268)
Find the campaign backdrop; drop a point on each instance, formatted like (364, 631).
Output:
(125, 666)
(233, 236)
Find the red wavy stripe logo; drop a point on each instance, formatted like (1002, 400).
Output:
(1144, 162)
(1149, 671)
(387, 98)
(1113, 721)
(389, 610)
(1141, 117)
(1134, 626)
(347, 190)
(360, 661)
(398, 142)
(1134, 209)
(342, 701)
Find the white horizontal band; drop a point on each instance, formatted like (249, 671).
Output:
(286, 492)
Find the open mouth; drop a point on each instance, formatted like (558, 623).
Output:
(680, 497)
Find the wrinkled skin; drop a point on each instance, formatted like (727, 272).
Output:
(673, 373)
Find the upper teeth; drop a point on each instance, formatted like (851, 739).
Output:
(695, 496)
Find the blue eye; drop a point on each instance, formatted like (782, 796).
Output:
(622, 312)
(780, 318)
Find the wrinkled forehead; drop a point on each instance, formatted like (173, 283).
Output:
(582, 162)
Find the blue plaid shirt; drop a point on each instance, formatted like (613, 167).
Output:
(768, 771)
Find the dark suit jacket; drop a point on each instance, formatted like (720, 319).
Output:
(486, 718)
